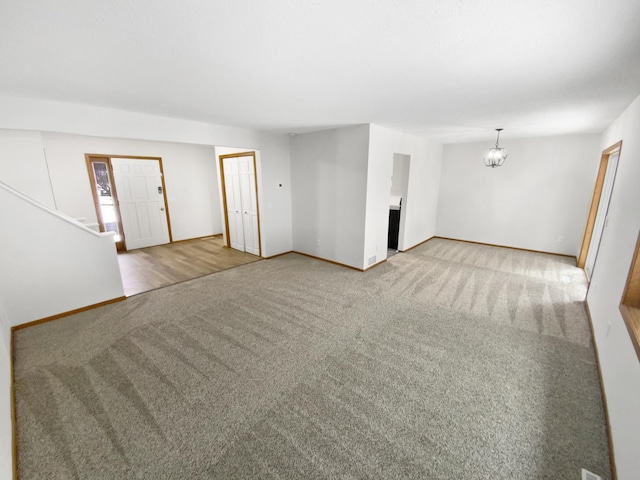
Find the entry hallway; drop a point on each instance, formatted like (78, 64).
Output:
(146, 269)
(450, 361)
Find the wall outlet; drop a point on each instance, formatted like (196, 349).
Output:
(560, 239)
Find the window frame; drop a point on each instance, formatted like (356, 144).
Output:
(630, 302)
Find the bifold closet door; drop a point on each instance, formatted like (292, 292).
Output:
(242, 203)
(249, 204)
(234, 203)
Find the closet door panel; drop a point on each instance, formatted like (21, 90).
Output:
(234, 203)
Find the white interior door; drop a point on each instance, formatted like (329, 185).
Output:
(601, 215)
(234, 203)
(242, 203)
(249, 205)
(141, 200)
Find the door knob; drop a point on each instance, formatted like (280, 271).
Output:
(162, 209)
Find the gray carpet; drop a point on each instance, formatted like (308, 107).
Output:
(451, 361)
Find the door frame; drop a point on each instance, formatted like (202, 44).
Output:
(616, 148)
(90, 160)
(406, 158)
(224, 195)
(106, 158)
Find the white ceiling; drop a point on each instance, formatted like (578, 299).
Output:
(450, 70)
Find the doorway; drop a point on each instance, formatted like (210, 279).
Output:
(240, 202)
(129, 195)
(597, 220)
(398, 203)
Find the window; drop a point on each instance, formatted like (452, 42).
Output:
(630, 305)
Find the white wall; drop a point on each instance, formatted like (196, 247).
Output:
(541, 193)
(189, 171)
(398, 174)
(419, 206)
(45, 116)
(23, 165)
(328, 186)
(38, 279)
(618, 361)
(6, 456)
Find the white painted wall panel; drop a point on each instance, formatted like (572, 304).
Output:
(329, 184)
(539, 195)
(23, 165)
(618, 361)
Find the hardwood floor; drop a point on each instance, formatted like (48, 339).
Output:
(146, 269)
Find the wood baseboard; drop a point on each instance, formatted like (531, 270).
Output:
(279, 255)
(14, 423)
(374, 265)
(66, 314)
(614, 474)
(329, 261)
(512, 248)
(418, 244)
(344, 265)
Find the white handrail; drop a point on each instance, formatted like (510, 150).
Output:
(53, 212)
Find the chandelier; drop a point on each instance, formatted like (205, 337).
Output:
(496, 155)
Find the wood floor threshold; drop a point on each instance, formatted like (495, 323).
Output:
(512, 248)
(66, 314)
(612, 458)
